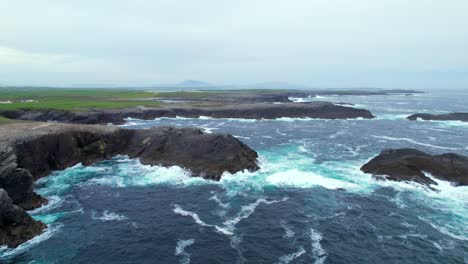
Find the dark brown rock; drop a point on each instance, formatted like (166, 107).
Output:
(412, 165)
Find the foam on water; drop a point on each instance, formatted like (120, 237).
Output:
(414, 142)
(180, 250)
(107, 216)
(180, 211)
(246, 211)
(290, 257)
(320, 255)
(288, 232)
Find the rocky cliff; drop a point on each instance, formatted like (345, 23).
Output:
(30, 151)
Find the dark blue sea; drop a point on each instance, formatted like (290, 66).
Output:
(291, 211)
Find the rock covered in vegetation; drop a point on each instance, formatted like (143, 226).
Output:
(412, 165)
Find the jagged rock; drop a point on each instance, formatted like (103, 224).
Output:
(16, 226)
(412, 165)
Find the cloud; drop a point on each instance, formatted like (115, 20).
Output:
(318, 43)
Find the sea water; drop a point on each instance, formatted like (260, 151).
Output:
(309, 202)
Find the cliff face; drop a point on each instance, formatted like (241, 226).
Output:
(30, 151)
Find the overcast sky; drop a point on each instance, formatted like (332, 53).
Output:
(318, 43)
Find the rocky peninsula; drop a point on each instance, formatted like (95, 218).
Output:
(413, 165)
(29, 151)
(323, 110)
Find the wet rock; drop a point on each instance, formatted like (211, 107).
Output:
(442, 117)
(413, 165)
(16, 226)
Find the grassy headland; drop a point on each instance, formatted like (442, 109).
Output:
(73, 99)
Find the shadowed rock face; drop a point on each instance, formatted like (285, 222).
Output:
(412, 164)
(30, 151)
(442, 117)
(323, 110)
(16, 226)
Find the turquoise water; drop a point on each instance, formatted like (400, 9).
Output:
(309, 202)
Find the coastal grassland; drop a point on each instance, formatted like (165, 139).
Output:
(73, 99)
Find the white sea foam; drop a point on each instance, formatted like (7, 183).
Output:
(180, 211)
(414, 142)
(180, 250)
(290, 257)
(107, 216)
(319, 253)
(288, 232)
(219, 202)
(303, 179)
(246, 211)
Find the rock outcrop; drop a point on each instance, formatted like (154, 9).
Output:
(412, 165)
(29, 151)
(16, 226)
(441, 117)
(323, 110)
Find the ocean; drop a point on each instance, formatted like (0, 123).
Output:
(309, 202)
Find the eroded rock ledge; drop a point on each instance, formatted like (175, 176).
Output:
(30, 151)
(323, 110)
(412, 165)
(441, 117)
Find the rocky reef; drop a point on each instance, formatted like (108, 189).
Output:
(413, 165)
(29, 151)
(323, 110)
(441, 117)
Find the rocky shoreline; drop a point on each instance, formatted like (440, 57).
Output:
(30, 151)
(413, 165)
(322, 110)
(441, 117)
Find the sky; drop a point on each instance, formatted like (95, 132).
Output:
(419, 44)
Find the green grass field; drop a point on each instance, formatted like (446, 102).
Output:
(73, 99)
